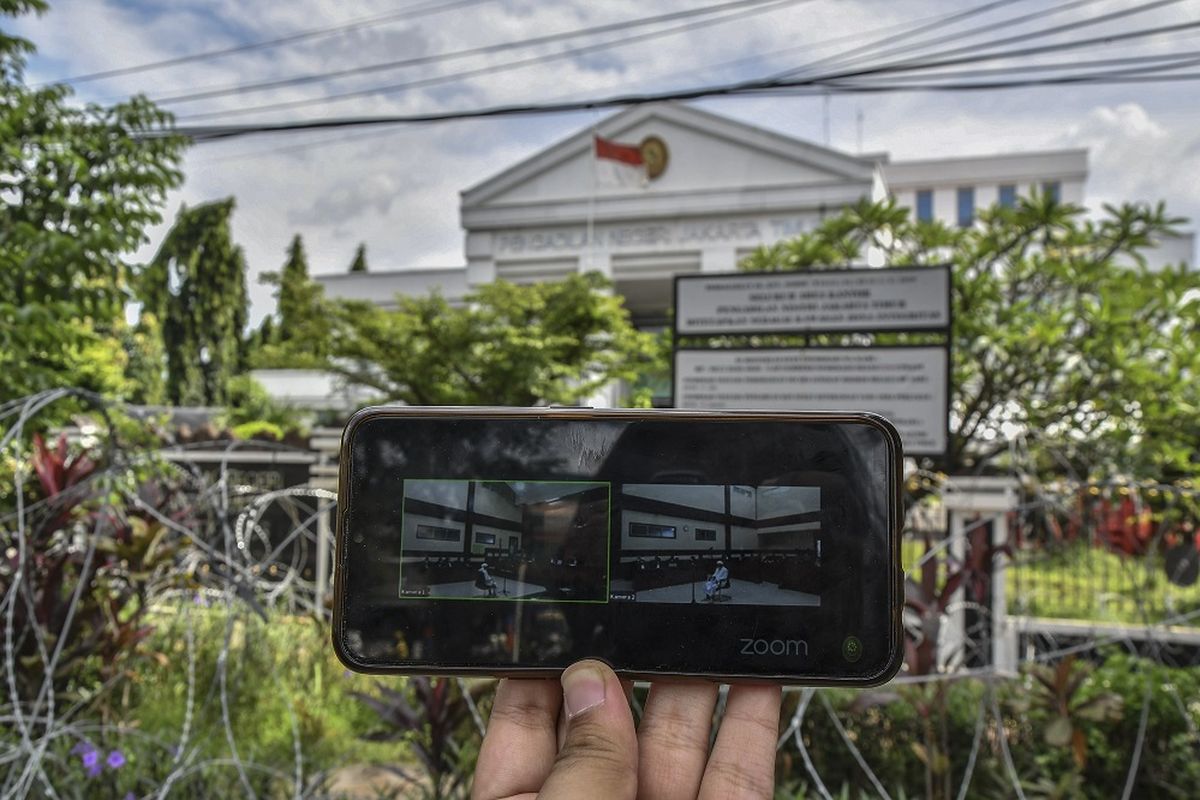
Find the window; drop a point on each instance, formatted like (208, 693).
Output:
(441, 534)
(643, 530)
(706, 535)
(1008, 195)
(925, 205)
(485, 538)
(1053, 189)
(966, 206)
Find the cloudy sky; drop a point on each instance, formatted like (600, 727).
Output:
(397, 190)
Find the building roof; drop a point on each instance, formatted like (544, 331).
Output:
(715, 125)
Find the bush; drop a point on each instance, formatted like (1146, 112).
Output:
(288, 698)
(893, 730)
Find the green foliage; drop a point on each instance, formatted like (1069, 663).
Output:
(144, 361)
(885, 725)
(359, 264)
(282, 679)
(81, 185)
(196, 287)
(505, 345)
(253, 412)
(258, 429)
(300, 337)
(87, 561)
(434, 716)
(1059, 329)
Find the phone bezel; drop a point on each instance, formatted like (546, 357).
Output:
(895, 517)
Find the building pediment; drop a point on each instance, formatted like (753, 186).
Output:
(709, 155)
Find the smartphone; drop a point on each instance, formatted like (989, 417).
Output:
(736, 546)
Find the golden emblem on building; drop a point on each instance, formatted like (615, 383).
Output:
(654, 156)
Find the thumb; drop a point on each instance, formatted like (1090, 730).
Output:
(599, 754)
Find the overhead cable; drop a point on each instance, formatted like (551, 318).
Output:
(437, 58)
(492, 69)
(300, 36)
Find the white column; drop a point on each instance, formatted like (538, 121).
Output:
(953, 633)
(718, 259)
(324, 545)
(600, 261)
(1004, 635)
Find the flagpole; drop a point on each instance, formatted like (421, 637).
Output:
(591, 219)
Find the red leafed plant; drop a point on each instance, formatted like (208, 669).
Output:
(434, 715)
(84, 563)
(929, 601)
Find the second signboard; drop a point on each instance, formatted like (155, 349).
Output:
(828, 300)
(907, 385)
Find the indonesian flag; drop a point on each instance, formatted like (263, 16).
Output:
(619, 164)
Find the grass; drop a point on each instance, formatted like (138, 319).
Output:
(1077, 581)
(282, 682)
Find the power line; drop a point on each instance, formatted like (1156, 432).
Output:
(212, 132)
(435, 58)
(859, 54)
(300, 36)
(918, 26)
(1153, 61)
(1038, 34)
(759, 8)
(894, 66)
(1064, 80)
(218, 132)
(911, 66)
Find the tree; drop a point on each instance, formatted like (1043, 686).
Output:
(505, 345)
(1063, 341)
(196, 287)
(80, 186)
(294, 294)
(359, 264)
(300, 338)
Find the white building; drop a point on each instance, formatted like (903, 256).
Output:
(728, 187)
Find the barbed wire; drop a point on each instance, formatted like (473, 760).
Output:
(236, 564)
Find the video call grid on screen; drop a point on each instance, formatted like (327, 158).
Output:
(506, 540)
(562, 541)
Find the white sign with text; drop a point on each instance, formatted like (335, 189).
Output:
(816, 300)
(907, 385)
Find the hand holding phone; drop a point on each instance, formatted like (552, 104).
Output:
(732, 545)
(526, 751)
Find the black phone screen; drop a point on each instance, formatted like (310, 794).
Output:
(752, 545)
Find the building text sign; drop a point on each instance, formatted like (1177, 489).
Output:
(847, 300)
(741, 231)
(907, 385)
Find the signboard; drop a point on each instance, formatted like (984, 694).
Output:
(907, 385)
(813, 301)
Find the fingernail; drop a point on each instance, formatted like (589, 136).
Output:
(583, 690)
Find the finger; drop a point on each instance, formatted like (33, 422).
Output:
(742, 763)
(599, 757)
(673, 739)
(519, 747)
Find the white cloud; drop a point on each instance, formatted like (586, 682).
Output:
(1137, 156)
(398, 191)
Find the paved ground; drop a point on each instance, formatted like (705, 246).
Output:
(740, 593)
(514, 588)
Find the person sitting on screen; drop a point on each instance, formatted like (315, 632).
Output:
(717, 581)
(484, 580)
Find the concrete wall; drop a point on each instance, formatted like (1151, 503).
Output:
(684, 540)
(708, 498)
(494, 505)
(451, 494)
(781, 501)
(502, 537)
(409, 540)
